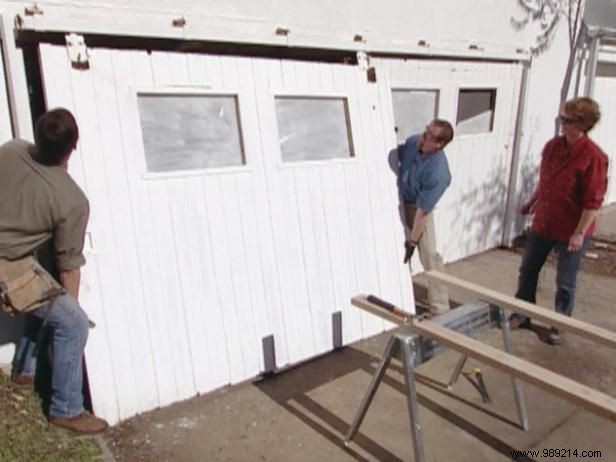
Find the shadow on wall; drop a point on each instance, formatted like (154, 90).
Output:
(474, 221)
(528, 177)
(478, 214)
(475, 215)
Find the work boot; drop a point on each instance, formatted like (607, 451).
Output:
(82, 423)
(21, 381)
(519, 322)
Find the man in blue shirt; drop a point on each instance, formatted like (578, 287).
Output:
(423, 178)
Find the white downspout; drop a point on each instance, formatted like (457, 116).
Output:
(510, 204)
(16, 83)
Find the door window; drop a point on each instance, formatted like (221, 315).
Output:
(188, 132)
(475, 111)
(413, 110)
(313, 128)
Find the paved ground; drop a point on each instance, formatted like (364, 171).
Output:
(303, 414)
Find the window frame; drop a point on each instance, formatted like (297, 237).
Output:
(350, 117)
(199, 91)
(486, 86)
(425, 88)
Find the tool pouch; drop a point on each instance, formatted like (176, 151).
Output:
(25, 285)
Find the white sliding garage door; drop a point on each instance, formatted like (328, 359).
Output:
(480, 99)
(232, 199)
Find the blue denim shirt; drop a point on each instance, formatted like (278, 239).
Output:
(423, 178)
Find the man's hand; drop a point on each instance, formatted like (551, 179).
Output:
(575, 242)
(70, 281)
(409, 250)
(527, 208)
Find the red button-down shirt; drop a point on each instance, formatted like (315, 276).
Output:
(572, 178)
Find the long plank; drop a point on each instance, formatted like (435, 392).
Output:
(590, 399)
(583, 329)
(361, 301)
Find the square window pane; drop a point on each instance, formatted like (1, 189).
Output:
(475, 111)
(190, 132)
(413, 110)
(313, 128)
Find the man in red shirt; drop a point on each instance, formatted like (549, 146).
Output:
(572, 185)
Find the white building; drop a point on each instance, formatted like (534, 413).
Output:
(199, 264)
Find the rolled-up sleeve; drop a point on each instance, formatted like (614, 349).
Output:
(431, 192)
(69, 235)
(594, 182)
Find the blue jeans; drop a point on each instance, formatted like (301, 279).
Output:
(535, 253)
(68, 325)
(24, 361)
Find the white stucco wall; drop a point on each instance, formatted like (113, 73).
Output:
(444, 24)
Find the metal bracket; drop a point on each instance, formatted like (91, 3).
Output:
(77, 51)
(363, 61)
(32, 10)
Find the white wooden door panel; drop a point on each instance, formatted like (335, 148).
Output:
(277, 309)
(190, 271)
(124, 291)
(59, 92)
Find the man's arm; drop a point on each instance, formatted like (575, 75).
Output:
(594, 183)
(529, 205)
(70, 281)
(577, 238)
(419, 224)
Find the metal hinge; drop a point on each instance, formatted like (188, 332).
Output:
(77, 51)
(32, 10)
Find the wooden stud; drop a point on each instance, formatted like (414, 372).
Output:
(575, 326)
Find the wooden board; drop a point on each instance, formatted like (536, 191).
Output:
(590, 399)
(583, 329)
(361, 301)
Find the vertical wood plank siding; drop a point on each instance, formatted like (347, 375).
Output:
(189, 272)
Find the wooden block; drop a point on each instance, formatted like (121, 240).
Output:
(591, 255)
(583, 329)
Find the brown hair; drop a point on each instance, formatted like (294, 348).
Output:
(446, 130)
(55, 135)
(584, 110)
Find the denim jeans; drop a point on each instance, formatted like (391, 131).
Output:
(24, 361)
(68, 325)
(535, 254)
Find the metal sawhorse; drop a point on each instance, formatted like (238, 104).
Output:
(413, 350)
